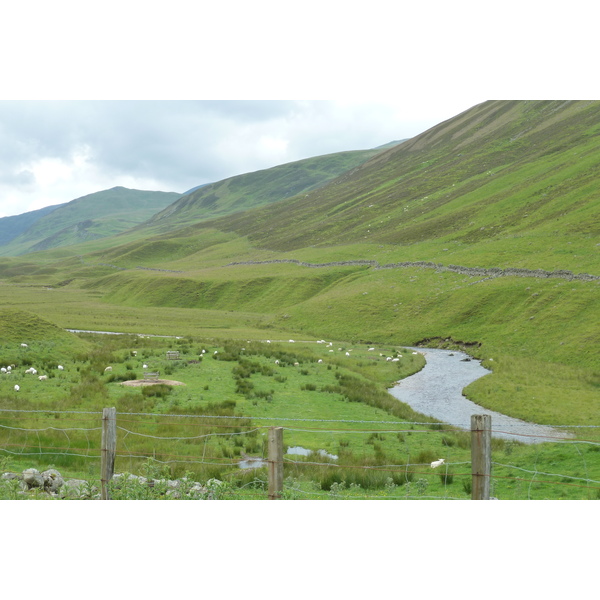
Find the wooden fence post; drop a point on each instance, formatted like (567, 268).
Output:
(275, 462)
(108, 450)
(481, 456)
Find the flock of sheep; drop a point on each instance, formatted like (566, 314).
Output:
(31, 371)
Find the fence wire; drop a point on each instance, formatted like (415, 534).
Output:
(326, 458)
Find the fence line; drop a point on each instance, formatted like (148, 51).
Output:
(126, 448)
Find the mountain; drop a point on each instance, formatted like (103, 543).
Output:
(498, 172)
(94, 216)
(11, 227)
(260, 188)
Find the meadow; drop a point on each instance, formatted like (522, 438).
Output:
(329, 403)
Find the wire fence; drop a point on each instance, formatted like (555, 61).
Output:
(228, 456)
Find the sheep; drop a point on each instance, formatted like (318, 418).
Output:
(17, 388)
(108, 369)
(276, 362)
(144, 366)
(347, 353)
(395, 359)
(43, 377)
(60, 367)
(24, 346)
(320, 360)
(3, 370)
(371, 349)
(437, 463)
(292, 342)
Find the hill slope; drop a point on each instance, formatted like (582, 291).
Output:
(499, 172)
(94, 216)
(260, 188)
(13, 226)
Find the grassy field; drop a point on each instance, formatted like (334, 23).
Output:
(233, 391)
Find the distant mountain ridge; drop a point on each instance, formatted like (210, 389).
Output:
(11, 227)
(259, 188)
(94, 216)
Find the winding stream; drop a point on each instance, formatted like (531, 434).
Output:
(436, 391)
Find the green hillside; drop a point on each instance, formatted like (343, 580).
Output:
(94, 216)
(11, 227)
(480, 233)
(260, 188)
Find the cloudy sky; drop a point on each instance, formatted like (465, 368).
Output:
(129, 93)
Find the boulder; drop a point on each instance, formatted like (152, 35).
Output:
(33, 478)
(53, 480)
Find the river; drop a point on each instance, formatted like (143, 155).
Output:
(436, 391)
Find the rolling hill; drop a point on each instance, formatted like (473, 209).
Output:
(94, 216)
(13, 226)
(260, 188)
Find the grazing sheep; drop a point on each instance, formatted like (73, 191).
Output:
(395, 359)
(292, 342)
(276, 362)
(60, 367)
(43, 377)
(370, 349)
(437, 463)
(320, 361)
(3, 370)
(17, 388)
(108, 369)
(24, 346)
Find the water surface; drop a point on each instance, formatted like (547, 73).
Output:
(436, 391)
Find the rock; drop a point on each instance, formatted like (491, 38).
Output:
(53, 480)
(33, 478)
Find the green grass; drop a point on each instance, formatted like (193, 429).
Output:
(338, 405)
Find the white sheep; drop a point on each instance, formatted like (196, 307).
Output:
(43, 377)
(371, 349)
(17, 388)
(276, 362)
(3, 370)
(292, 342)
(24, 346)
(320, 361)
(347, 353)
(395, 359)
(437, 463)
(108, 369)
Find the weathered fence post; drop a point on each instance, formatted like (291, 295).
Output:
(481, 456)
(108, 450)
(275, 462)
